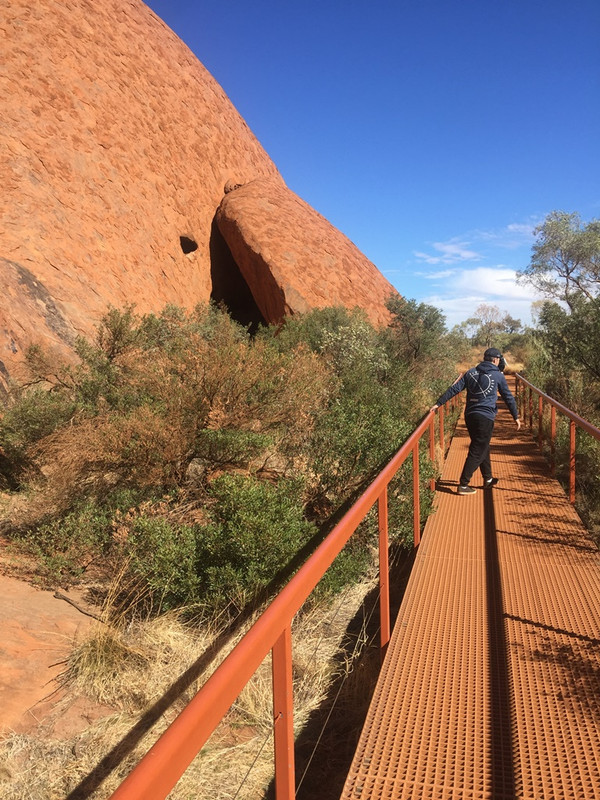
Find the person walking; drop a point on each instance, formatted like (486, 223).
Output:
(482, 383)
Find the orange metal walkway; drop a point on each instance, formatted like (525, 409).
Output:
(491, 683)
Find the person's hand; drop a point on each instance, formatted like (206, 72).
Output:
(433, 408)
(518, 424)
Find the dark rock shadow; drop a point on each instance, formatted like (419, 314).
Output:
(501, 746)
(229, 287)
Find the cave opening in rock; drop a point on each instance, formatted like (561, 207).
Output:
(187, 245)
(229, 286)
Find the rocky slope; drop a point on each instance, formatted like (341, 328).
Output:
(117, 145)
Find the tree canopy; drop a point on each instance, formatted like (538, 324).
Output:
(565, 267)
(490, 326)
(565, 261)
(418, 328)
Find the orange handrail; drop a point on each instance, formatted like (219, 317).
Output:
(575, 422)
(162, 766)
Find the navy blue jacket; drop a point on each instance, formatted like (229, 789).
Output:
(482, 383)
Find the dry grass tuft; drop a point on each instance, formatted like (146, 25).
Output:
(130, 665)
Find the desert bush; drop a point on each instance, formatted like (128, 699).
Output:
(357, 434)
(30, 417)
(321, 403)
(166, 558)
(258, 529)
(251, 532)
(587, 501)
(154, 392)
(366, 418)
(555, 373)
(230, 445)
(66, 547)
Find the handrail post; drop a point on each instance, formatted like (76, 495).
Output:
(384, 572)
(552, 440)
(572, 437)
(416, 497)
(283, 716)
(540, 419)
(442, 437)
(530, 408)
(432, 448)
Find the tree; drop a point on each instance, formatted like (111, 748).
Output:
(565, 261)
(488, 324)
(536, 309)
(417, 327)
(572, 337)
(511, 325)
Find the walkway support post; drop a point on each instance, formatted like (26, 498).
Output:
(416, 497)
(432, 448)
(572, 445)
(530, 408)
(283, 716)
(553, 441)
(384, 573)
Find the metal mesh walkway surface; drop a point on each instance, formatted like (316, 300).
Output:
(491, 683)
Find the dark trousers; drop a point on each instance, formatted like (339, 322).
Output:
(480, 430)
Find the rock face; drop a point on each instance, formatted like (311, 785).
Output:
(292, 258)
(117, 146)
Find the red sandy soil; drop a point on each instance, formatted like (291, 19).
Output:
(37, 634)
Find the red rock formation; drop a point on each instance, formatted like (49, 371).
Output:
(116, 147)
(292, 258)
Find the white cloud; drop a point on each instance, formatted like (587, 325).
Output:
(498, 282)
(461, 286)
(455, 309)
(461, 248)
(451, 252)
(438, 276)
(511, 237)
(469, 288)
(523, 229)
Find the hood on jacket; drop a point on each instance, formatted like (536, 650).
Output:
(487, 366)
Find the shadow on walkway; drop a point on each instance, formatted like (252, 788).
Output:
(501, 742)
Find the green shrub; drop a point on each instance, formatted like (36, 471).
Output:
(33, 415)
(359, 431)
(351, 564)
(164, 556)
(325, 397)
(254, 531)
(258, 528)
(66, 547)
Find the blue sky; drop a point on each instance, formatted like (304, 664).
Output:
(436, 134)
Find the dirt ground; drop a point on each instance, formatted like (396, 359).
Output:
(37, 633)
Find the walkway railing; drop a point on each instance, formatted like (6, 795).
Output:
(163, 765)
(525, 391)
